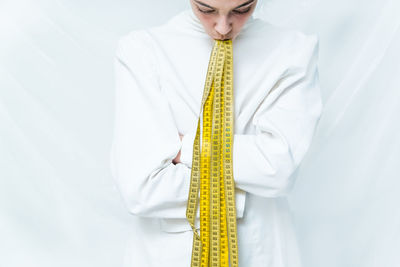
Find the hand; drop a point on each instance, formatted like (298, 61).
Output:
(177, 159)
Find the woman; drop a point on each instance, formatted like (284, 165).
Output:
(160, 74)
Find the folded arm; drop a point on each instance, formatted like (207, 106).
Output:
(263, 163)
(145, 138)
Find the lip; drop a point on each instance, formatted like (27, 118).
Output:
(223, 39)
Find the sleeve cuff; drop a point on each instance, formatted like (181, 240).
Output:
(240, 200)
(187, 148)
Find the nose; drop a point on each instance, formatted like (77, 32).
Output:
(223, 26)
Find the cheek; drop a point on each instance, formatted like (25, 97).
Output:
(240, 20)
(207, 22)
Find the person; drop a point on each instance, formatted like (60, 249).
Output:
(159, 81)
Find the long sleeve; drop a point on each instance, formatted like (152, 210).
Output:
(145, 137)
(285, 121)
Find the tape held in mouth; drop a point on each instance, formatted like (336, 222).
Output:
(212, 172)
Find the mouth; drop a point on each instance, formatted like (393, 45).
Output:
(222, 39)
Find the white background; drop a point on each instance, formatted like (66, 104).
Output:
(58, 204)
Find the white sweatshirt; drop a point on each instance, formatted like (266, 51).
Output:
(159, 77)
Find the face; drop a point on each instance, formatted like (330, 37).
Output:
(223, 19)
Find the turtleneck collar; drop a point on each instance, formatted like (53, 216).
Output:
(195, 22)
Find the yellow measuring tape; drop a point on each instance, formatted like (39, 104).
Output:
(212, 171)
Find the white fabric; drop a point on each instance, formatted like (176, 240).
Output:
(160, 75)
(58, 203)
